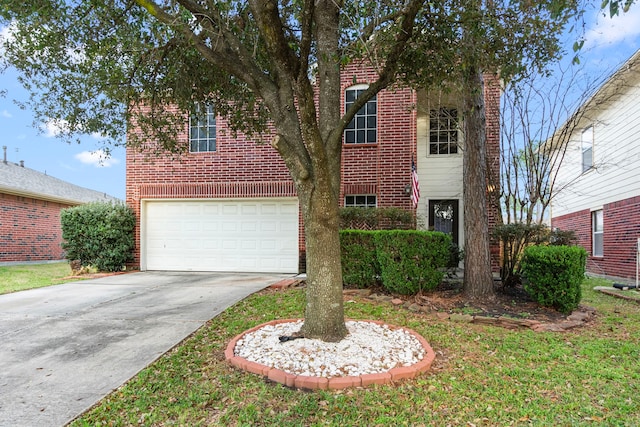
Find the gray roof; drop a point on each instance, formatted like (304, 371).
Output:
(21, 181)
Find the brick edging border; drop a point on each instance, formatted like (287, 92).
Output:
(335, 383)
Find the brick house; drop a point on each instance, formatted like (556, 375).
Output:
(230, 204)
(599, 181)
(30, 205)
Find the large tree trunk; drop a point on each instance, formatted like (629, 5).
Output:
(324, 311)
(478, 279)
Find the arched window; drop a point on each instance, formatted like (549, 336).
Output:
(363, 128)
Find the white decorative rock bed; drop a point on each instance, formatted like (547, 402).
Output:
(372, 353)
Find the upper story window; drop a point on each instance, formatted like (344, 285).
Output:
(363, 128)
(360, 201)
(587, 149)
(443, 131)
(202, 129)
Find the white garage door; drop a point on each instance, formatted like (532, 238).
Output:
(256, 235)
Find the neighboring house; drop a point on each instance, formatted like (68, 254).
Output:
(30, 205)
(599, 179)
(230, 204)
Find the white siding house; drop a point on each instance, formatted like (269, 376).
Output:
(599, 178)
(439, 164)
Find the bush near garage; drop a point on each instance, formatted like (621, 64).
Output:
(553, 275)
(99, 235)
(404, 261)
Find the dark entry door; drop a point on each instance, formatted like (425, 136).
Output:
(443, 216)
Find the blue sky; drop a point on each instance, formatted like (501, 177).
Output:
(40, 149)
(609, 42)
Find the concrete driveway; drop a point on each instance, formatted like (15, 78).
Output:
(63, 348)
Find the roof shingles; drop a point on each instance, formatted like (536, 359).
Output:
(22, 181)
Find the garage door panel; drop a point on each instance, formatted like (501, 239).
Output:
(249, 244)
(229, 209)
(249, 209)
(210, 209)
(269, 209)
(214, 235)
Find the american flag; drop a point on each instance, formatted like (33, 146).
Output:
(415, 185)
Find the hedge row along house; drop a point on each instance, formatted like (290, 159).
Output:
(599, 183)
(30, 205)
(229, 204)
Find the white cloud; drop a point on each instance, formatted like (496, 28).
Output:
(7, 32)
(98, 136)
(608, 31)
(5, 113)
(53, 128)
(98, 158)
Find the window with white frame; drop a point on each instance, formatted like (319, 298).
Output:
(202, 129)
(443, 131)
(587, 149)
(597, 227)
(363, 128)
(360, 201)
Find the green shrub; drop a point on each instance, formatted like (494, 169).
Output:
(99, 235)
(515, 237)
(553, 275)
(360, 267)
(412, 261)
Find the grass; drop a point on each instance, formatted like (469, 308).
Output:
(21, 277)
(483, 375)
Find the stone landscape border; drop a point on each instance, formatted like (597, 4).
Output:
(335, 383)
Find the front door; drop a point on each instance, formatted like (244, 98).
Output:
(443, 216)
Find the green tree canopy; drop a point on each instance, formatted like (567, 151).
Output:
(103, 65)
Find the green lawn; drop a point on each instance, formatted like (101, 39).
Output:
(483, 376)
(20, 277)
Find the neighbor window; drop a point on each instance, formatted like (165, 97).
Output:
(443, 131)
(363, 128)
(597, 225)
(360, 201)
(202, 129)
(587, 149)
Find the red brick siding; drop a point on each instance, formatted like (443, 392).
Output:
(621, 231)
(384, 168)
(492, 113)
(30, 229)
(241, 167)
(245, 168)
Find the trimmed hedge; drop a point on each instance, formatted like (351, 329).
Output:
(405, 261)
(99, 235)
(515, 237)
(553, 275)
(360, 267)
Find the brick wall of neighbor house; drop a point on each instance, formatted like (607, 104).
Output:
(621, 231)
(30, 229)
